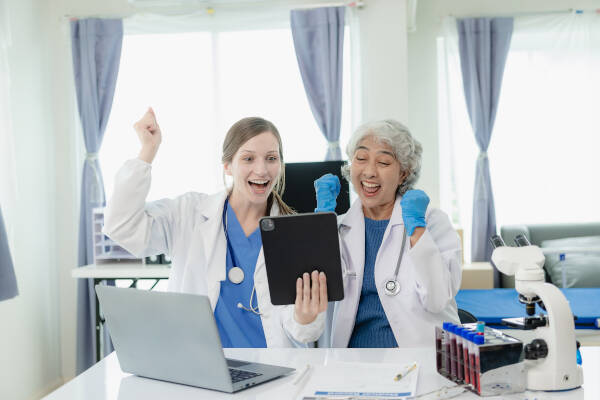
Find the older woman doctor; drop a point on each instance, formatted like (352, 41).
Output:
(213, 240)
(401, 258)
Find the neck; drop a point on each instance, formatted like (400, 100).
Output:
(380, 212)
(247, 213)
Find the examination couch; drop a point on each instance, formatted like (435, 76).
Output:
(580, 269)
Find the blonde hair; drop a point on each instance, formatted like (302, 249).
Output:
(244, 130)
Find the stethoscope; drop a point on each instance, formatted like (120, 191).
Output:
(391, 286)
(236, 274)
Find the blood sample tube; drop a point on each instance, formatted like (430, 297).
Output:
(460, 368)
(465, 358)
(479, 340)
(452, 338)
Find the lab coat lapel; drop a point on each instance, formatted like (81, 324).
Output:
(214, 244)
(260, 261)
(269, 321)
(352, 231)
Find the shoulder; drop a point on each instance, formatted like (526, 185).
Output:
(192, 204)
(440, 226)
(436, 214)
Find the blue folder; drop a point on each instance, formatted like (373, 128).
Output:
(491, 305)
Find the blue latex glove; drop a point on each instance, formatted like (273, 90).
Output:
(414, 203)
(327, 189)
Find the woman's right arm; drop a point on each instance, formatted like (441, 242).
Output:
(142, 229)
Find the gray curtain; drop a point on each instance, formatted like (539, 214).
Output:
(96, 46)
(483, 46)
(8, 281)
(319, 43)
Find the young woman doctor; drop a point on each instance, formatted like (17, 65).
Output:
(401, 258)
(213, 240)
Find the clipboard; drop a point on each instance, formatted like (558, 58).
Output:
(299, 243)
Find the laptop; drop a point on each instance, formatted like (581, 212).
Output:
(173, 337)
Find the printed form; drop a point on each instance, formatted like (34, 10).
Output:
(361, 381)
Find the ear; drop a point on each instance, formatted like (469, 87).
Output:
(227, 168)
(402, 178)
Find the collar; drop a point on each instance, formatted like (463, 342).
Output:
(214, 205)
(355, 215)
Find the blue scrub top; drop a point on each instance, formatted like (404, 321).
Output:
(238, 327)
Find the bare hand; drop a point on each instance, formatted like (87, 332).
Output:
(310, 299)
(149, 134)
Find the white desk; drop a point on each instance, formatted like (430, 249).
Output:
(105, 380)
(118, 270)
(122, 271)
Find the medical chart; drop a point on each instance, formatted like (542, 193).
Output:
(361, 381)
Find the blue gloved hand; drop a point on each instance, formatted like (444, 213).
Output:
(327, 188)
(414, 203)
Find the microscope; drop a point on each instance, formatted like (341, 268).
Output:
(551, 360)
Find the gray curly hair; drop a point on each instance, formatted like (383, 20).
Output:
(407, 149)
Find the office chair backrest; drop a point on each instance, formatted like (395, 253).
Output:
(466, 317)
(299, 185)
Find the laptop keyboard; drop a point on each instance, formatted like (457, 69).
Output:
(238, 375)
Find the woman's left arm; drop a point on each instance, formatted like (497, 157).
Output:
(436, 253)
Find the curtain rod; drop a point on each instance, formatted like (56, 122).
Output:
(210, 10)
(529, 13)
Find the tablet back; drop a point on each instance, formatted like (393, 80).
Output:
(294, 244)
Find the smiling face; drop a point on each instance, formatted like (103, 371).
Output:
(376, 174)
(255, 168)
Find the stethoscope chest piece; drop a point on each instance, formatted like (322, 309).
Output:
(391, 287)
(236, 275)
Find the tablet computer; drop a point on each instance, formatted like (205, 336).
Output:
(299, 243)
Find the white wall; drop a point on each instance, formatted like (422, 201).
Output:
(30, 322)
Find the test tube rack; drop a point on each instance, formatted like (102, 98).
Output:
(488, 362)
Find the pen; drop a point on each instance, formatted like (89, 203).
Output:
(301, 374)
(406, 372)
(299, 381)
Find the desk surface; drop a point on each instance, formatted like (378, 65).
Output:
(122, 270)
(105, 380)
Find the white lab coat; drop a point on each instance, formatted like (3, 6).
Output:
(189, 228)
(429, 278)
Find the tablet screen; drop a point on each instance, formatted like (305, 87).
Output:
(295, 244)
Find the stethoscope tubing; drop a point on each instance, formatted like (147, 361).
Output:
(394, 290)
(230, 250)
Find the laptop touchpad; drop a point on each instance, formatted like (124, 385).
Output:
(236, 363)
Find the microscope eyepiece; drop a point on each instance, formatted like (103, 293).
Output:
(497, 241)
(522, 241)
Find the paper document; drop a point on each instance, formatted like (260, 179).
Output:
(361, 381)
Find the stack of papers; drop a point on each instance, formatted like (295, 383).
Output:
(361, 381)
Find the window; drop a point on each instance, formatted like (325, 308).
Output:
(199, 84)
(543, 159)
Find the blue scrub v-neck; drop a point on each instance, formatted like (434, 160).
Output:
(238, 327)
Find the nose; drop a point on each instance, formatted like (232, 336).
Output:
(370, 170)
(260, 167)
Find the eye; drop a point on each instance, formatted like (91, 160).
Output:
(272, 158)
(383, 163)
(247, 158)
